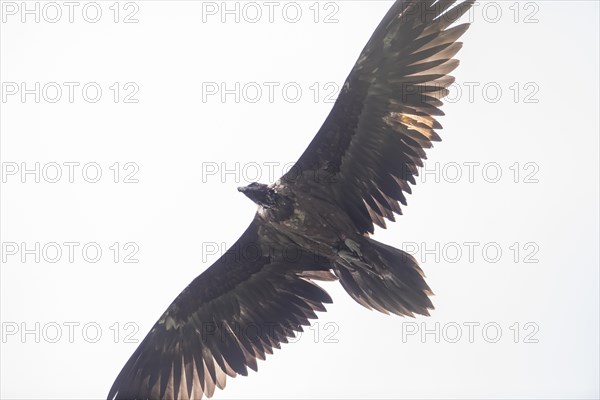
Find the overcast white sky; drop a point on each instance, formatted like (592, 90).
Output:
(504, 220)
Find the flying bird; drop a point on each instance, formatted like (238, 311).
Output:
(314, 223)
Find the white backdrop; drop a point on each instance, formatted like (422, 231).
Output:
(194, 103)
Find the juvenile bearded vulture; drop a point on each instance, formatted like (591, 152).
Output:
(314, 222)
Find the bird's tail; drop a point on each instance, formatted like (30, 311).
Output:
(383, 278)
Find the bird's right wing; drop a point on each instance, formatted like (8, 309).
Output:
(247, 303)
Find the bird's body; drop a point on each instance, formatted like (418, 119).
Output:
(311, 221)
(315, 222)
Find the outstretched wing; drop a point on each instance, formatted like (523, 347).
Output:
(247, 303)
(371, 144)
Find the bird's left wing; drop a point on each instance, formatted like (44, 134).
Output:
(247, 303)
(370, 146)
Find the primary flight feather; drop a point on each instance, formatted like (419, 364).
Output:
(314, 222)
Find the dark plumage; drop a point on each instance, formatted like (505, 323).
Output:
(314, 222)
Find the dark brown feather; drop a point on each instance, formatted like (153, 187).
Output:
(375, 137)
(210, 321)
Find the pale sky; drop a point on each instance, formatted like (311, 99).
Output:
(504, 220)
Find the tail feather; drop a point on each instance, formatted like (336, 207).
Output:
(384, 278)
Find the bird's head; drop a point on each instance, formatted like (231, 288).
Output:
(259, 193)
